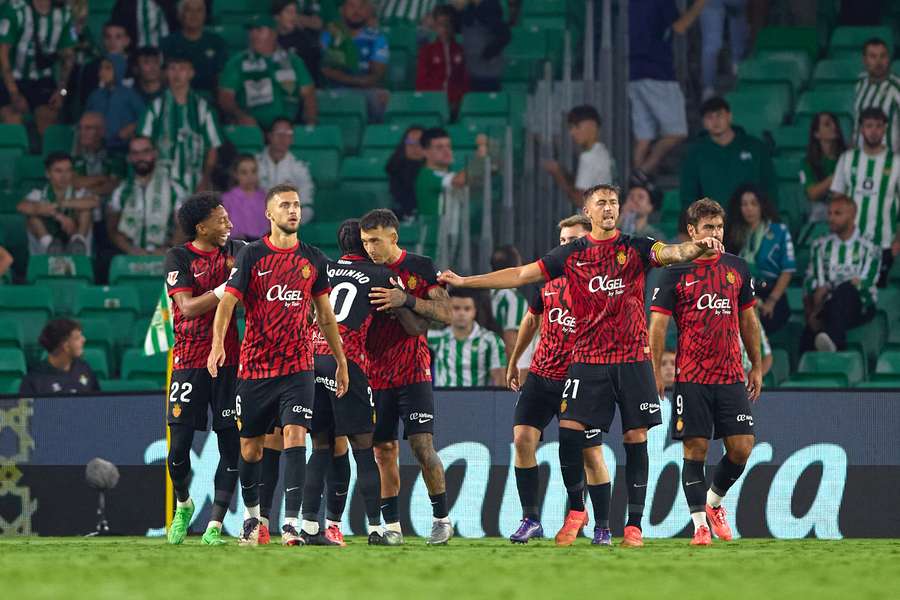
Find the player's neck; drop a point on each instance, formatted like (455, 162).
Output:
(603, 234)
(282, 240)
(873, 150)
(203, 245)
(61, 361)
(181, 94)
(395, 255)
(462, 333)
(846, 234)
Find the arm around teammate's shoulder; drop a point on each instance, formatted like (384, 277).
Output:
(687, 251)
(504, 278)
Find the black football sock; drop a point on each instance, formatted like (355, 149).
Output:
(315, 483)
(571, 461)
(294, 476)
(600, 497)
(270, 462)
(527, 484)
(179, 459)
(338, 485)
(439, 505)
(725, 475)
(250, 474)
(389, 510)
(226, 476)
(368, 481)
(693, 481)
(637, 468)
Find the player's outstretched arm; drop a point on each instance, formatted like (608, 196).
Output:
(659, 323)
(193, 306)
(527, 328)
(749, 324)
(687, 251)
(504, 278)
(329, 327)
(434, 308)
(224, 312)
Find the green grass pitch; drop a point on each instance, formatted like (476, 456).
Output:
(131, 568)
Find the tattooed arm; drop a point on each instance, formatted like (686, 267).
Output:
(686, 252)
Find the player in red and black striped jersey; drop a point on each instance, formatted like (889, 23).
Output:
(278, 278)
(550, 311)
(400, 370)
(712, 302)
(611, 357)
(195, 279)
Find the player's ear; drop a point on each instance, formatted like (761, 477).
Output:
(395, 237)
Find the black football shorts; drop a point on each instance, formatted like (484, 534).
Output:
(354, 412)
(540, 400)
(591, 394)
(285, 400)
(194, 392)
(711, 410)
(412, 404)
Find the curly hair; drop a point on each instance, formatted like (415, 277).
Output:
(197, 209)
(349, 238)
(56, 332)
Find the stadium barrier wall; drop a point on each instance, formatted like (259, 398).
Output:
(826, 465)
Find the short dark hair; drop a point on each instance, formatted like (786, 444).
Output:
(109, 24)
(601, 187)
(703, 208)
(197, 209)
(55, 332)
(444, 10)
(874, 41)
(872, 112)
(177, 56)
(583, 112)
(576, 221)
(379, 217)
(55, 157)
(431, 134)
(281, 188)
(349, 238)
(714, 104)
(241, 158)
(471, 293)
(147, 51)
(504, 257)
(277, 120)
(280, 5)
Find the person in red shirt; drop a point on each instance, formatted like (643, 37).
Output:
(441, 64)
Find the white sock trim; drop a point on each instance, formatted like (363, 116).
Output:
(713, 499)
(185, 504)
(214, 525)
(699, 519)
(310, 527)
(264, 521)
(393, 527)
(330, 523)
(251, 512)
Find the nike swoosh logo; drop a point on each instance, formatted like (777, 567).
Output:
(640, 486)
(200, 274)
(263, 273)
(578, 263)
(550, 293)
(690, 283)
(653, 410)
(424, 420)
(340, 494)
(230, 470)
(692, 483)
(291, 489)
(175, 464)
(384, 506)
(591, 435)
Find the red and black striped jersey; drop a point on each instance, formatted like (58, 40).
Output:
(553, 303)
(706, 297)
(276, 286)
(607, 280)
(396, 358)
(191, 270)
(352, 278)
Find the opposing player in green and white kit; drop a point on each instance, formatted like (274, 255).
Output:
(870, 175)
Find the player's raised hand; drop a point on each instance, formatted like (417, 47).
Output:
(754, 384)
(216, 359)
(387, 298)
(512, 377)
(448, 277)
(712, 243)
(341, 379)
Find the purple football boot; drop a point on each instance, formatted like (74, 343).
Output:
(602, 537)
(528, 528)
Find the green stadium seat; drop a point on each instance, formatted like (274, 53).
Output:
(790, 138)
(881, 382)
(527, 42)
(788, 169)
(400, 70)
(846, 40)
(351, 127)
(13, 136)
(848, 363)
(8, 173)
(889, 363)
(135, 365)
(783, 69)
(320, 233)
(11, 335)
(324, 166)
(320, 137)
(247, 138)
(404, 121)
(760, 108)
(385, 136)
(378, 155)
(812, 232)
(335, 102)
(98, 334)
(545, 7)
(522, 71)
(57, 138)
(869, 338)
(464, 135)
(102, 7)
(12, 363)
(31, 306)
(119, 305)
(143, 273)
(815, 381)
(839, 101)
(333, 206)
(30, 172)
(380, 191)
(235, 35)
(477, 104)
(138, 333)
(238, 12)
(781, 367)
(10, 387)
(418, 105)
(794, 295)
(96, 358)
(356, 168)
(889, 302)
(777, 38)
(837, 71)
(401, 35)
(128, 385)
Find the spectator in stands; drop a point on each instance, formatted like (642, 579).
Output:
(63, 371)
(403, 168)
(206, 50)
(712, 27)
(115, 48)
(96, 169)
(658, 119)
(355, 55)
(467, 354)
(265, 82)
(508, 305)
(840, 280)
(278, 164)
(724, 157)
(246, 201)
(120, 105)
(36, 59)
(148, 80)
(878, 88)
(435, 180)
(870, 175)
(141, 214)
(299, 33)
(826, 144)
(594, 161)
(755, 234)
(59, 215)
(148, 21)
(441, 65)
(635, 215)
(484, 36)
(183, 127)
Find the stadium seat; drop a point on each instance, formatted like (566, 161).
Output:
(837, 71)
(8, 175)
(96, 358)
(839, 101)
(10, 387)
(815, 381)
(136, 365)
(790, 138)
(478, 104)
(418, 105)
(13, 136)
(778, 38)
(247, 138)
(102, 7)
(889, 302)
(527, 42)
(30, 172)
(351, 129)
(320, 137)
(870, 337)
(321, 233)
(119, 305)
(889, 363)
(98, 334)
(464, 135)
(336, 205)
(848, 41)
(12, 364)
(336, 103)
(57, 138)
(144, 274)
(31, 306)
(848, 363)
(235, 35)
(384, 136)
(362, 169)
(138, 333)
(521, 71)
(788, 169)
(238, 11)
(781, 367)
(11, 335)
(64, 275)
(324, 166)
(760, 108)
(881, 382)
(129, 385)
(783, 69)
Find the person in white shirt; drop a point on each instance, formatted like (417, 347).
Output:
(594, 163)
(277, 164)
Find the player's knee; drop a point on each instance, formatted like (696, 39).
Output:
(321, 441)
(251, 450)
(739, 452)
(294, 436)
(423, 448)
(635, 436)
(695, 448)
(341, 445)
(387, 453)
(525, 445)
(361, 441)
(593, 460)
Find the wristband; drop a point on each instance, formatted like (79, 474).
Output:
(410, 301)
(219, 291)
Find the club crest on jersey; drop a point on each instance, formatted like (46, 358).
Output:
(679, 424)
(306, 271)
(172, 277)
(730, 278)
(563, 406)
(412, 282)
(176, 410)
(621, 257)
